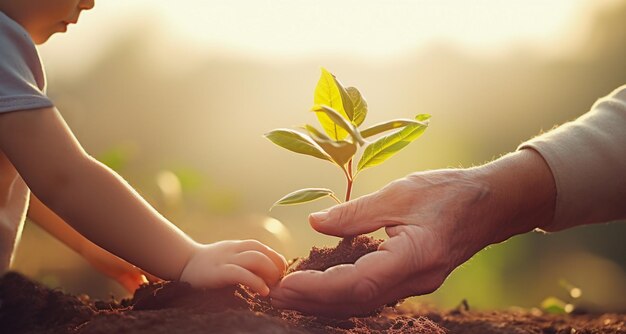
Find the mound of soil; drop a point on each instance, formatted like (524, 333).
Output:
(175, 307)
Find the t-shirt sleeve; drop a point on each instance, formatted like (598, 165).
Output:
(587, 158)
(22, 79)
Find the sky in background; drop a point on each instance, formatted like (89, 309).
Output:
(360, 28)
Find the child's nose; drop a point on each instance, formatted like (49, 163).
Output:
(86, 4)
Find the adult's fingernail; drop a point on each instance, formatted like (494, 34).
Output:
(319, 217)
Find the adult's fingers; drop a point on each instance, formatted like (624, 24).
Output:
(361, 282)
(260, 264)
(374, 280)
(362, 215)
(339, 300)
(344, 290)
(343, 309)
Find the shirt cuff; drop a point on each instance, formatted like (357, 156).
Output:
(587, 158)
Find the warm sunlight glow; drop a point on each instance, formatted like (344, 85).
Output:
(361, 28)
(181, 97)
(170, 186)
(371, 27)
(276, 228)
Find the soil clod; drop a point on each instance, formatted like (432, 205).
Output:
(348, 251)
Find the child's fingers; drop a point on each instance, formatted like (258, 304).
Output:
(131, 282)
(234, 274)
(150, 277)
(279, 260)
(259, 264)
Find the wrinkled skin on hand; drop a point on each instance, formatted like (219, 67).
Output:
(232, 262)
(426, 242)
(435, 221)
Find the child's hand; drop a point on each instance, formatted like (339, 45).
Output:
(230, 262)
(127, 275)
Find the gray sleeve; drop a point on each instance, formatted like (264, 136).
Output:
(22, 79)
(587, 158)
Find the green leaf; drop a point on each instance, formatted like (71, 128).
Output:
(346, 100)
(556, 306)
(422, 117)
(341, 122)
(359, 105)
(341, 151)
(386, 126)
(315, 132)
(297, 142)
(303, 196)
(387, 146)
(329, 92)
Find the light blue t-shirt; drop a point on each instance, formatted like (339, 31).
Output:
(22, 78)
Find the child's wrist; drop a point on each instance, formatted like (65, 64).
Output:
(185, 272)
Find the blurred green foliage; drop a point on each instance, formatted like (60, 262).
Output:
(116, 158)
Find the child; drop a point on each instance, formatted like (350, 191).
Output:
(38, 152)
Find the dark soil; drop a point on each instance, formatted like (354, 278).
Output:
(347, 251)
(520, 321)
(172, 307)
(175, 307)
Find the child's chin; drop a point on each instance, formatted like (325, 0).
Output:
(42, 38)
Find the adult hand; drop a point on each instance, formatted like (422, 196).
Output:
(230, 262)
(435, 221)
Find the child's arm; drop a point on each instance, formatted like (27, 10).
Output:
(100, 205)
(123, 272)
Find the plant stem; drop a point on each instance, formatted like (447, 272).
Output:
(335, 198)
(349, 190)
(349, 179)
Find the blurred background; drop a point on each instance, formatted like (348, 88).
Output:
(176, 96)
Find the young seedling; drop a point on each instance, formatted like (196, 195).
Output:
(341, 111)
(556, 305)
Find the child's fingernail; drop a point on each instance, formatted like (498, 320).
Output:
(319, 217)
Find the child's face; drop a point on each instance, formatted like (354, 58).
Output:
(43, 18)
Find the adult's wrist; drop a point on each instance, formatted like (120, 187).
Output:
(522, 194)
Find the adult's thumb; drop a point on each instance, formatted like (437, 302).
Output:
(351, 218)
